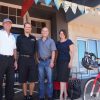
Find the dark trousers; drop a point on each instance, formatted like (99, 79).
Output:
(7, 69)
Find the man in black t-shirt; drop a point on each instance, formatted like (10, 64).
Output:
(26, 47)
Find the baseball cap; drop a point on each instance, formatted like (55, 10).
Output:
(7, 20)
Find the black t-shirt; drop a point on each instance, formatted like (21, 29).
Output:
(26, 45)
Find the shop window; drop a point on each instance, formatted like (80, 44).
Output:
(37, 26)
(89, 45)
(13, 13)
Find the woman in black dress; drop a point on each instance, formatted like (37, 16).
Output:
(65, 53)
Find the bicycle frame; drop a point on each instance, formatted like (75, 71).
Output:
(94, 84)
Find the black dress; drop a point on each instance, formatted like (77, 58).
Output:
(63, 59)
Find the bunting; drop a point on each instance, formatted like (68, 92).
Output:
(36, 1)
(66, 5)
(81, 8)
(58, 3)
(74, 7)
(48, 2)
(25, 6)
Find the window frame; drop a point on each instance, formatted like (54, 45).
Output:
(12, 6)
(47, 22)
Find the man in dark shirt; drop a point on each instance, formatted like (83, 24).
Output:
(26, 47)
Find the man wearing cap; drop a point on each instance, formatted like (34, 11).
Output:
(7, 61)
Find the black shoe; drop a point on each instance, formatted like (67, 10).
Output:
(25, 98)
(50, 98)
(30, 97)
(41, 99)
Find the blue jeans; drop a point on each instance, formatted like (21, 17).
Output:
(45, 68)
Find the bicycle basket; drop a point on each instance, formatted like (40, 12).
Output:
(89, 61)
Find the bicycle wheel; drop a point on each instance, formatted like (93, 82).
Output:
(88, 88)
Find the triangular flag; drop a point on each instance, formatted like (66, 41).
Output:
(48, 2)
(81, 8)
(36, 1)
(66, 5)
(25, 6)
(58, 3)
(74, 7)
(87, 10)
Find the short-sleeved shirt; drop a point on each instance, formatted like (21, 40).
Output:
(7, 43)
(26, 45)
(46, 47)
(64, 50)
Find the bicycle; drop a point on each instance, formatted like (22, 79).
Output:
(91, 89)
